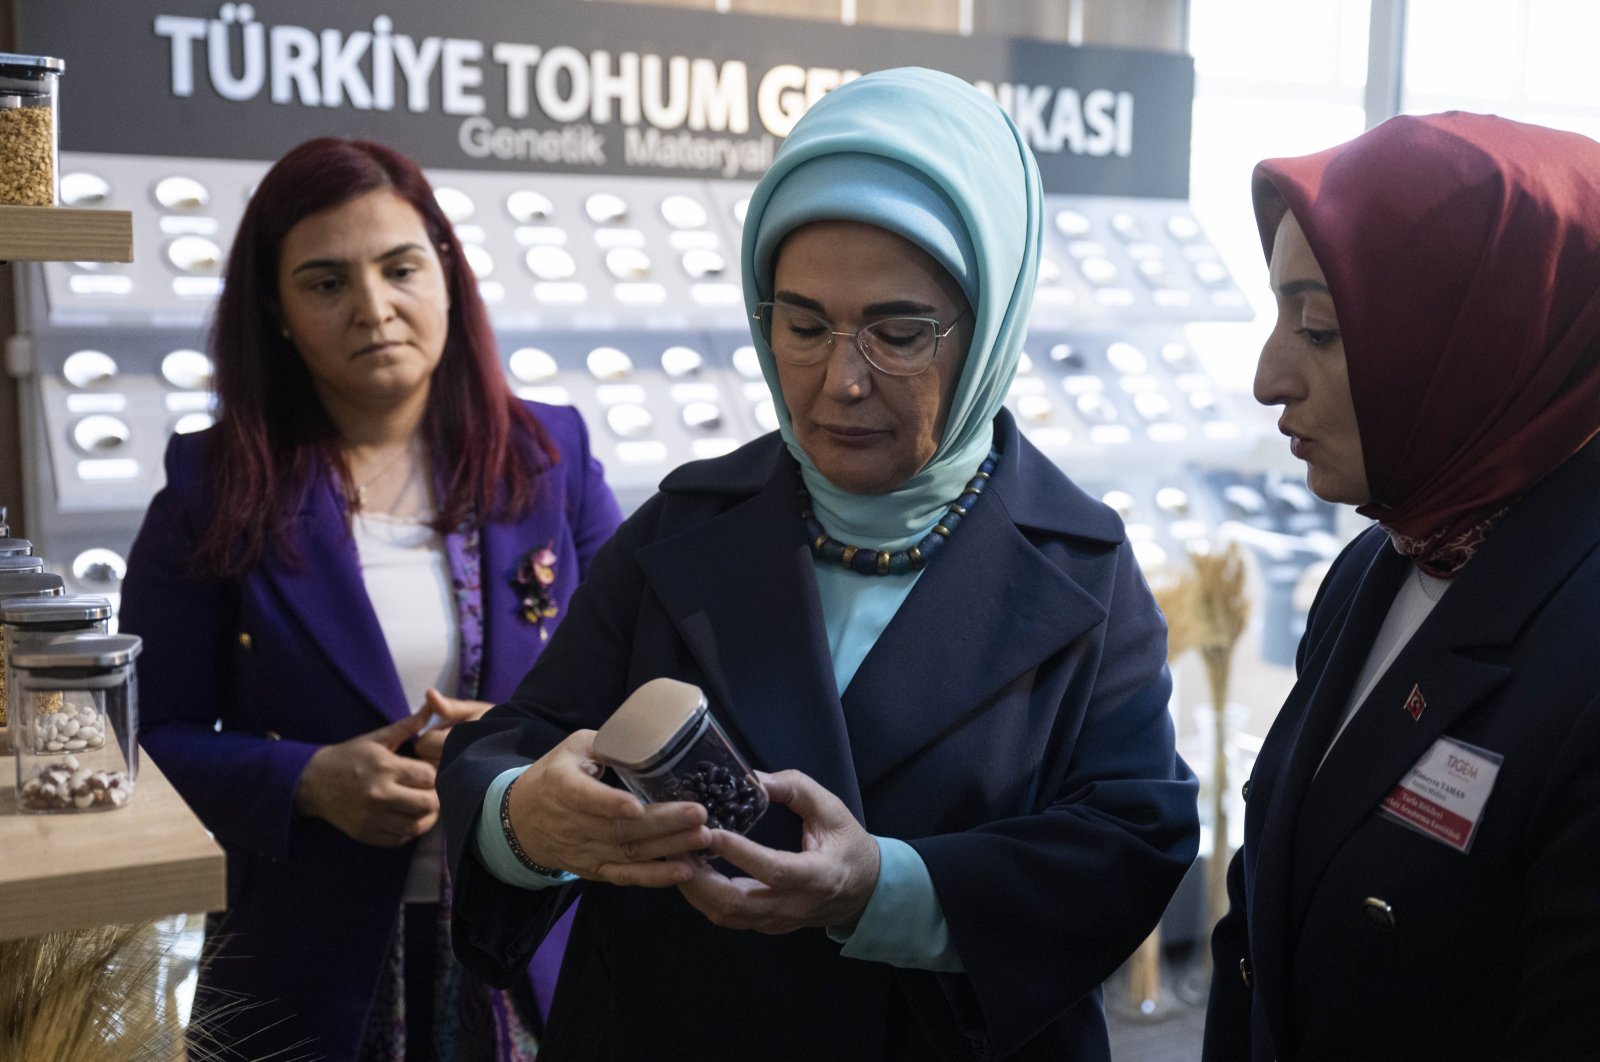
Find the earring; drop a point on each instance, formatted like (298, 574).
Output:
(285, 331)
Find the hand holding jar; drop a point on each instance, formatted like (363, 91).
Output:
(566, 818)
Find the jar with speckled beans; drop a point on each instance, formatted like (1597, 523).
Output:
(23, 578)
(75, 731)
(29, 129)
(28, 621)
(665, 745)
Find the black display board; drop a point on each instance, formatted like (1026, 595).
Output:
(569, 86)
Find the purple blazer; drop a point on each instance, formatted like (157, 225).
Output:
(243, 680)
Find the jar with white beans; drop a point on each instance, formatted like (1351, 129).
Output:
(75, 725)
(34, 620)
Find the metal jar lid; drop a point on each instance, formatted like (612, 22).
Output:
(31, 584)
(79, 651)
(650, 724)
(44, 64)
(18, 564)
(81, 608)
(15, 547)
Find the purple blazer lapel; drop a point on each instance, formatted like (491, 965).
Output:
(326, 595)
(510, 642)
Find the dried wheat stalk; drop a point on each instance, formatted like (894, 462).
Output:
(1221, 610)
(89, 995)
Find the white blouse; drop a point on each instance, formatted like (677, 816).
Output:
(407, 577)
(1416, 599)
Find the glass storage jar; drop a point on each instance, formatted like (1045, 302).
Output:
(665, 745)
(24, 586)
(75, 736)
(33, 620)
(29, 129)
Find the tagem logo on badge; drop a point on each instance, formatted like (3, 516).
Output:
(1461, 768)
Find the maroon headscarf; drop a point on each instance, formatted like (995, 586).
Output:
(1463, 254)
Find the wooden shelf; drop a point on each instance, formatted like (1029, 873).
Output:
(65, 234)
(147, 860)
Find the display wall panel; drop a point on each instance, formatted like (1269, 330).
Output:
(611, 270)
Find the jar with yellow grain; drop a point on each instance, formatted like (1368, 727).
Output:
(29, 129)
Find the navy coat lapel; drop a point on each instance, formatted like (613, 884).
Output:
(1450, 660)
(1316, 703)
(1454, 660)
(326, 595)
(1383, 741)
(932, 667)
(757, 632)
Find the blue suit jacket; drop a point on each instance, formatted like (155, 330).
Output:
(1493, 953)
(1011, 724)
(291, 658)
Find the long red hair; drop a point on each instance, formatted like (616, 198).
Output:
(272, 435)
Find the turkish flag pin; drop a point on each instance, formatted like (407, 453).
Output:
(1414, 703)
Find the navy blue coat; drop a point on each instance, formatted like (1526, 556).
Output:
(1011, 724)
(291, 658)
(1494, 953)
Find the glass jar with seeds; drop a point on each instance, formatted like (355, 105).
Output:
(664, 743)
(29, 129)
(28, 621)
(75, 735)
(24, 584)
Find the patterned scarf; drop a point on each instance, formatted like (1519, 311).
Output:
(472, 1022)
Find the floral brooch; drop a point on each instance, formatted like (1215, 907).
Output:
(533, 580)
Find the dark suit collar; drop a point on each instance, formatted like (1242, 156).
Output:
(1036, 493)
(742, 593)
(1528, 553)
(1454, 660)
(758, 633)
(1039, 496)
(990, 608)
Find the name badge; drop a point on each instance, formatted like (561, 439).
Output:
(1444, 792)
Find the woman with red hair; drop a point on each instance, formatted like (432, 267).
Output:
(1420, 876)
(371, 544)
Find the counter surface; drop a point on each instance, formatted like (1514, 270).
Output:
(149, 859)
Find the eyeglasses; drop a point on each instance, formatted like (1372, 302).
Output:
(895, 346)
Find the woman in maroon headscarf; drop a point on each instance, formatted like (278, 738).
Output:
(1420, 875)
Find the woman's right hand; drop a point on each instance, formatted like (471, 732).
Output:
(566, 817)
(368, 791)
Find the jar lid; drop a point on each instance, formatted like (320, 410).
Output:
(85, 607)
(33, 62)
(17, 565)
(15, 547)
(79, 651)
(31, 584)
(652, 720)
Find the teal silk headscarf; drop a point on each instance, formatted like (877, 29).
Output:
(933, 160)
(928, 157)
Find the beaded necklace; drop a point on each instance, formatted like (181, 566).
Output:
(913, 558)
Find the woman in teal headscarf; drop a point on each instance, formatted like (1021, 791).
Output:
(937, 650)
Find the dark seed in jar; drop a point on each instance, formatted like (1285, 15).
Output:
(733, 800)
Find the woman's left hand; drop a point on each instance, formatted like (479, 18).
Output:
(448, 711)
(827, 883)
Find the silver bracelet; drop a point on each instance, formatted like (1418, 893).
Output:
(511, 838)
